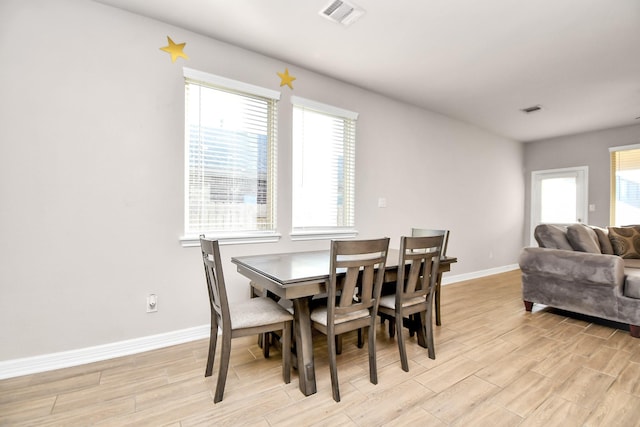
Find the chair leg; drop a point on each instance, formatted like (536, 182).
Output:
(373, 367)
(266, 343)
(391, 320)
(286, 352)
(213, 339)
(411, 325)
(360, 340)
(401, 348)
(293, 350)
(224, 367)
(420, 329)
(338, 344)
(437, 297)
(331, 347)
(428, 330)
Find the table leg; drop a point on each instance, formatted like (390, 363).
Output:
(257, 292)
(304, 346)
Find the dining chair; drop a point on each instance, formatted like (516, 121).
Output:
(355, 281)
(425, 232)
(252, 317)
(416, 232)
(415, 287)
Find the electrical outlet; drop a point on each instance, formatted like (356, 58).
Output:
(152, 303)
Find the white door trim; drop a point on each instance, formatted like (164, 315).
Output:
(582, 193)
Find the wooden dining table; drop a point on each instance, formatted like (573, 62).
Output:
(297, 277)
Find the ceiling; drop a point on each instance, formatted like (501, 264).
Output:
(479, 61)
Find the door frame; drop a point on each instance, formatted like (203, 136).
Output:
(582, 194)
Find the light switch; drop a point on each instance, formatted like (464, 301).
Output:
(382, 202)
(592, 208)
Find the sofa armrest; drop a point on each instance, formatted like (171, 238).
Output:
(580, 267)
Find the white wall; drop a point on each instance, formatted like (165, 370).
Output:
(589, 149)
(91, 175)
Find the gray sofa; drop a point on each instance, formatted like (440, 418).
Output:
(583, 269)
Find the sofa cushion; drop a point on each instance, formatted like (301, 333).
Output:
(632, 283)
(631, 263)
(603, 239)
(625, 241)
(552, 236)
(572, 266)
(583, 239)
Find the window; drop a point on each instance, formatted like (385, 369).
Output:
(625, 185)
(323, 171)
(230, 138)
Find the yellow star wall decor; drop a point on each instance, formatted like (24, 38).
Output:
(175, 50)
(286, 79)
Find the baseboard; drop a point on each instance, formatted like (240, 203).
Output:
(66, 359)
(49, 362)
(446, 279)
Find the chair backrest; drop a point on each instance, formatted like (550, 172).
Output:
(357, 269)
(426, 232)
(421, 258)
(215, 281)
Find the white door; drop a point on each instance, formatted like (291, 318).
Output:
(559, 196)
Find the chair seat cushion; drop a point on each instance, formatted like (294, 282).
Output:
(319, 315)
(389, 301)
(257, 312)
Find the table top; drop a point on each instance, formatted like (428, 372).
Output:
(295, 267)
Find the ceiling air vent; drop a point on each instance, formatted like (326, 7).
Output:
(533, 109)
(342, 12)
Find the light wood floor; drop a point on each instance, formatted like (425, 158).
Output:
(495, 365)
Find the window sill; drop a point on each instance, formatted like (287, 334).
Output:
(323, 234)
(232, 239)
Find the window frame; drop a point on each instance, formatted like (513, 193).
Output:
(230, 237)
(613, 169)
(324, 232)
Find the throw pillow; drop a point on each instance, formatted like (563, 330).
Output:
(552, 236)
(625, 241)
(603, 239)
(583, 238)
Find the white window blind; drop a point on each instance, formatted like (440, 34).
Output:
(625, 185)
(230, 137)
(323, 170)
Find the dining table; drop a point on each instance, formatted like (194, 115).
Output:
(298, 276)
